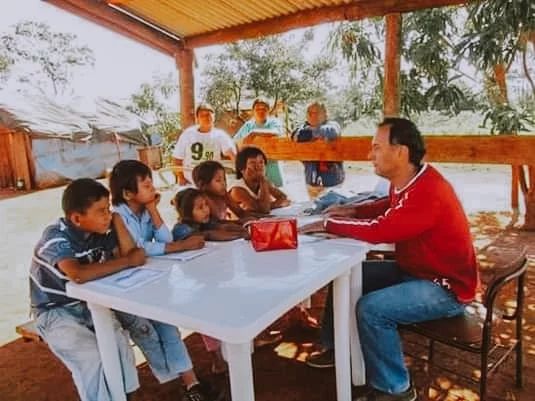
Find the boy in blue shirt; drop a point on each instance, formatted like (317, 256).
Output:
(135, 202)
(80, 247)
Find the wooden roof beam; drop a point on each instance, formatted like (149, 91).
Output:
(354, 11)
(106, 16)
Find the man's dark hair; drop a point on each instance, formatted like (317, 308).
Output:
(81, 194)
(204, 173)
(243, 155)
(124, 177)
(183, 203)
(404, 132)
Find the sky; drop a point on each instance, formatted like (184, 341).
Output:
(121, 64)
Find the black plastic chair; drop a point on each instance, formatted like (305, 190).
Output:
(472, 332)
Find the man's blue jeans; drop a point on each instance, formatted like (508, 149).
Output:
(390, 297)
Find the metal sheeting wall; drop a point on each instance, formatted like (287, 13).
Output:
(59, 160)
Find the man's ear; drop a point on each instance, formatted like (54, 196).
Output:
(404, 152)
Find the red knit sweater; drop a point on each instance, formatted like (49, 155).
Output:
(428, 225)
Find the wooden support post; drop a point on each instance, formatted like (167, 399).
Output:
(391, 96)
(184, 63)
(515, 184)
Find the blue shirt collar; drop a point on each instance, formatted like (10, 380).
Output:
(124, 209)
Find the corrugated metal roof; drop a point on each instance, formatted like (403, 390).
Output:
(159, 23)
(186, 18)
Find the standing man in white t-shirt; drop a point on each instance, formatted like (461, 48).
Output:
(201, 142)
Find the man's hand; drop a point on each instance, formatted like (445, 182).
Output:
(316, 227)
(340, 211)
(136, 257)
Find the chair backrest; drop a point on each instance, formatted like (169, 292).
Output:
(505, 272)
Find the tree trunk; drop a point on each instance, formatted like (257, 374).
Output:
(528, 190)
(500, 79)
(527, 184)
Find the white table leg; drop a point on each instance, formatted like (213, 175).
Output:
(358, 370)
(109, 353)
(240, 368)
(341, 337)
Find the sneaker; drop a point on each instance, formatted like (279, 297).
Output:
(194, 393)
(361, 391)
(204, 392)
(321, 359)
(376, 395)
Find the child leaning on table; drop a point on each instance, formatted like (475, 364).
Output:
(210, 178)
(135, 199)
(194, 217)
(80, 247)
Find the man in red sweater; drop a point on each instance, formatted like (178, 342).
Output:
(435, 271)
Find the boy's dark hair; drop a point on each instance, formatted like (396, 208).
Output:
(204, 173)
(124, 176)
(243, 155)
(404, 132)
(81, 194)
(204, 106)
(184, 201)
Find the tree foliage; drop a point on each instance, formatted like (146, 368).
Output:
(270, 67)
(429, 80)
(44, 58)
(150, 102)
(498, 33)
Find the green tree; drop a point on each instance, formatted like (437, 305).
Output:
(45, 58)
(430, 76)
(498, 33)
(270, 66)
(150, 102)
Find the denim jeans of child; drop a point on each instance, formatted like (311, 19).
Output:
(69, 333)
(161, 344)
(390, 297)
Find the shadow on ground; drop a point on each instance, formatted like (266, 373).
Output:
(28, 370)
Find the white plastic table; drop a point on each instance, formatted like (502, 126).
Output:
(232, 294)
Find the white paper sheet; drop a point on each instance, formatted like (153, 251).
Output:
(131, 278)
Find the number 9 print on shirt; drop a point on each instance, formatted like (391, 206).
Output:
(202, 152)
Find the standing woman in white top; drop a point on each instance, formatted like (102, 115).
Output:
(199, 143)
(253, 192)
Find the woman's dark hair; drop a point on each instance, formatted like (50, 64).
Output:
(404, 132)
(124, 177)
(81, 194)
(183, 203)
(204, 173)
(243, 155)
(260, 100)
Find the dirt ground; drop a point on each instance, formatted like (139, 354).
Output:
(28, 371)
